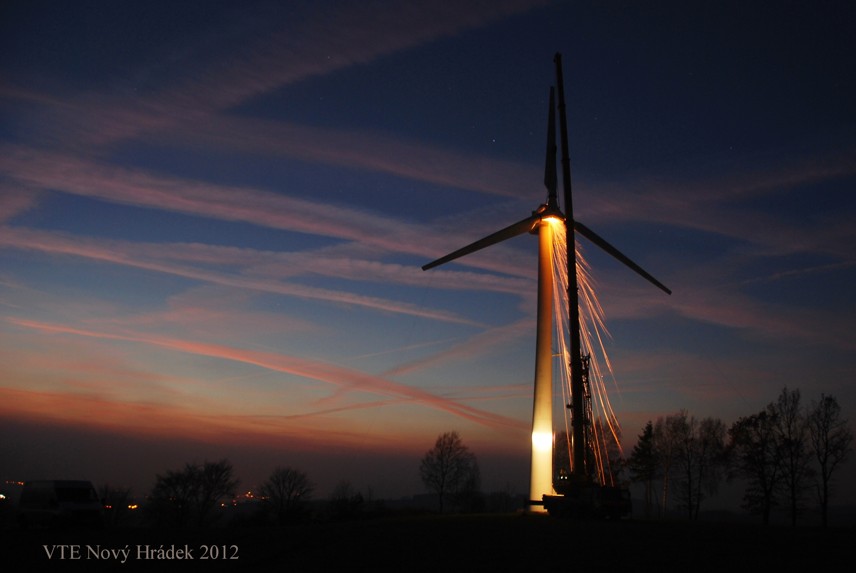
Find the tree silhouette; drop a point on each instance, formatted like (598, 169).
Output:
(216, 482)
(686, 459)
(284, 493)
(792, 436)
(183, 497)
(644, 464)
(699, 450)
(173, 496)
(667, 435)
(712, 457)
(450, 470)
(756, 455)
(831, 440)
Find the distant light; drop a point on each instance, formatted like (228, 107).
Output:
(133, 506)
(2, 496)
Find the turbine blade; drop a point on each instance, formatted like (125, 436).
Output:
(601, 242)
(518, 228)
(550, 180)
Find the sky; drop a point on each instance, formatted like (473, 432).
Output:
(213, 217)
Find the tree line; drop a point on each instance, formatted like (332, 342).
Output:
(194, 495)
(191, 496)
(782, 453)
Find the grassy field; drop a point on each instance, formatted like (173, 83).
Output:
(441, 543)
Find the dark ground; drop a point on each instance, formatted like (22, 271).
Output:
(452, 543)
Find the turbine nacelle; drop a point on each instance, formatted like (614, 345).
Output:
(548, 211)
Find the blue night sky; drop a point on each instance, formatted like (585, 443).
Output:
(213, 217)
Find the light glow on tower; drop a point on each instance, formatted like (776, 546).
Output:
(542, 441)
(541, 467)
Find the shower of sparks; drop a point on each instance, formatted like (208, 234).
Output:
(605, 431)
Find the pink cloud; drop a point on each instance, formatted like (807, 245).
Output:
(477, 344)
(158, 420)
(15, 201)
(376, 152)
(276, 48)
(132, 187)
(119, 252)
(313, 370)
(717, 204)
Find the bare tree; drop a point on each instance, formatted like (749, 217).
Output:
(684, 432)
(831, 440)
(216, 482)
(174, 495)
(450, 469)
(711, 443)
(284, 493)
(792, 436)
(699, 456)
(189, 495)
(667, 434)
(756, 456)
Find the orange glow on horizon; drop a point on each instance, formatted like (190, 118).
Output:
(165, 421)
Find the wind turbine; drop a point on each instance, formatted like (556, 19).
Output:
(541, 222)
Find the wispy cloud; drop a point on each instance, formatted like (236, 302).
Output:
(166, 421)
(105, 182)
(711, 295)
(313, 370)
(722, 204)
(15, 201)
(115, 252)
(474, 346)
(256, 54)
(370, 151)
(292, 44)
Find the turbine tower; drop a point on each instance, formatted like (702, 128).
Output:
(542, 222)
